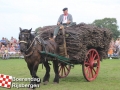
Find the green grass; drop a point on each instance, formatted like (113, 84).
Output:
(108, 78)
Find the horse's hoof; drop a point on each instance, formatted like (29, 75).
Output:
(45, 83)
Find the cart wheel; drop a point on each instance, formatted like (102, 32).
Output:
(63, 70)
(91, 65)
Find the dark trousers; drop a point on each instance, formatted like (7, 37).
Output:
(56, 30)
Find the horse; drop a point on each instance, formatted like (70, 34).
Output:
(30, 47)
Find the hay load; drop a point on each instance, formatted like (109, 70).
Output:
(80, 38)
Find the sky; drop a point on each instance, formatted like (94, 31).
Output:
(38, 13)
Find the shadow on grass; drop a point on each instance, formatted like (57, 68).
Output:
(73, 79)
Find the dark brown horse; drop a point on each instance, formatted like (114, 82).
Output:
(31, 46)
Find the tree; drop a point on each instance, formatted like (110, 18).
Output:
(37, 29)
(110, 23)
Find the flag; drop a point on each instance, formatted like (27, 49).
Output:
(5, 81)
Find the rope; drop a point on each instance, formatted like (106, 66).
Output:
(32, 43)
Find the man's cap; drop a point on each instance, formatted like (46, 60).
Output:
(65, 9)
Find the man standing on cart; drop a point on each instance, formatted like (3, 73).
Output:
(64, 20)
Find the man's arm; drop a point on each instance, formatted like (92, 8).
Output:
(59, 20)
(70, 19)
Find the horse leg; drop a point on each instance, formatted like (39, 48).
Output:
(30, 68)
(33, 70)
(47, 74)
(55, 66)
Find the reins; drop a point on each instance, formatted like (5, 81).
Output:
(28, 54)
(29, 46)
(40, 42)
(31, 43)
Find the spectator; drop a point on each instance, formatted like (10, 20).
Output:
(117, 42)
(5, 54)
(112, 44)
(8, 47)
(17, 47)
(3, 41)
(118, 50)
(110, 53)
(7, 41)
(13, 41)
(12, 50)
(2, 49)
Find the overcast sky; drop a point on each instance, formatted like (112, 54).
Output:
(35, 13)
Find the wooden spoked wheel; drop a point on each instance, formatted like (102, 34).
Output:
(63, 70)
(91, 65)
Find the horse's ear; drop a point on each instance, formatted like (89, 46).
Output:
(20, 29)
(30, 30)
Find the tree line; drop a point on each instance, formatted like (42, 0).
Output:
(110, 23)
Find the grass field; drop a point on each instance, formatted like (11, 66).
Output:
(108, 78)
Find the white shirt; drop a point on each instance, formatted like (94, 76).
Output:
(64, 19)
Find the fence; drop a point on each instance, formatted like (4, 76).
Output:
(12, 56)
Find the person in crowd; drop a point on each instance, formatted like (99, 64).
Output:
(8, 47)
(117, 42)
(3, 41)
(7, 41)
(5, 54)
(12, 50)
(17, 48)
(111, 49)
(112, 44)
(13, 41)
(2, 49)
(118, 50)
(110, 53)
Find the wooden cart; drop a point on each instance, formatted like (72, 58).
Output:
(90, 65)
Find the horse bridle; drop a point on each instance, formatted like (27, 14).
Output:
(36, 38)
(27, 42)
(23, 42)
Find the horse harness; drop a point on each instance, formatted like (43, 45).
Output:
(36, 40)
